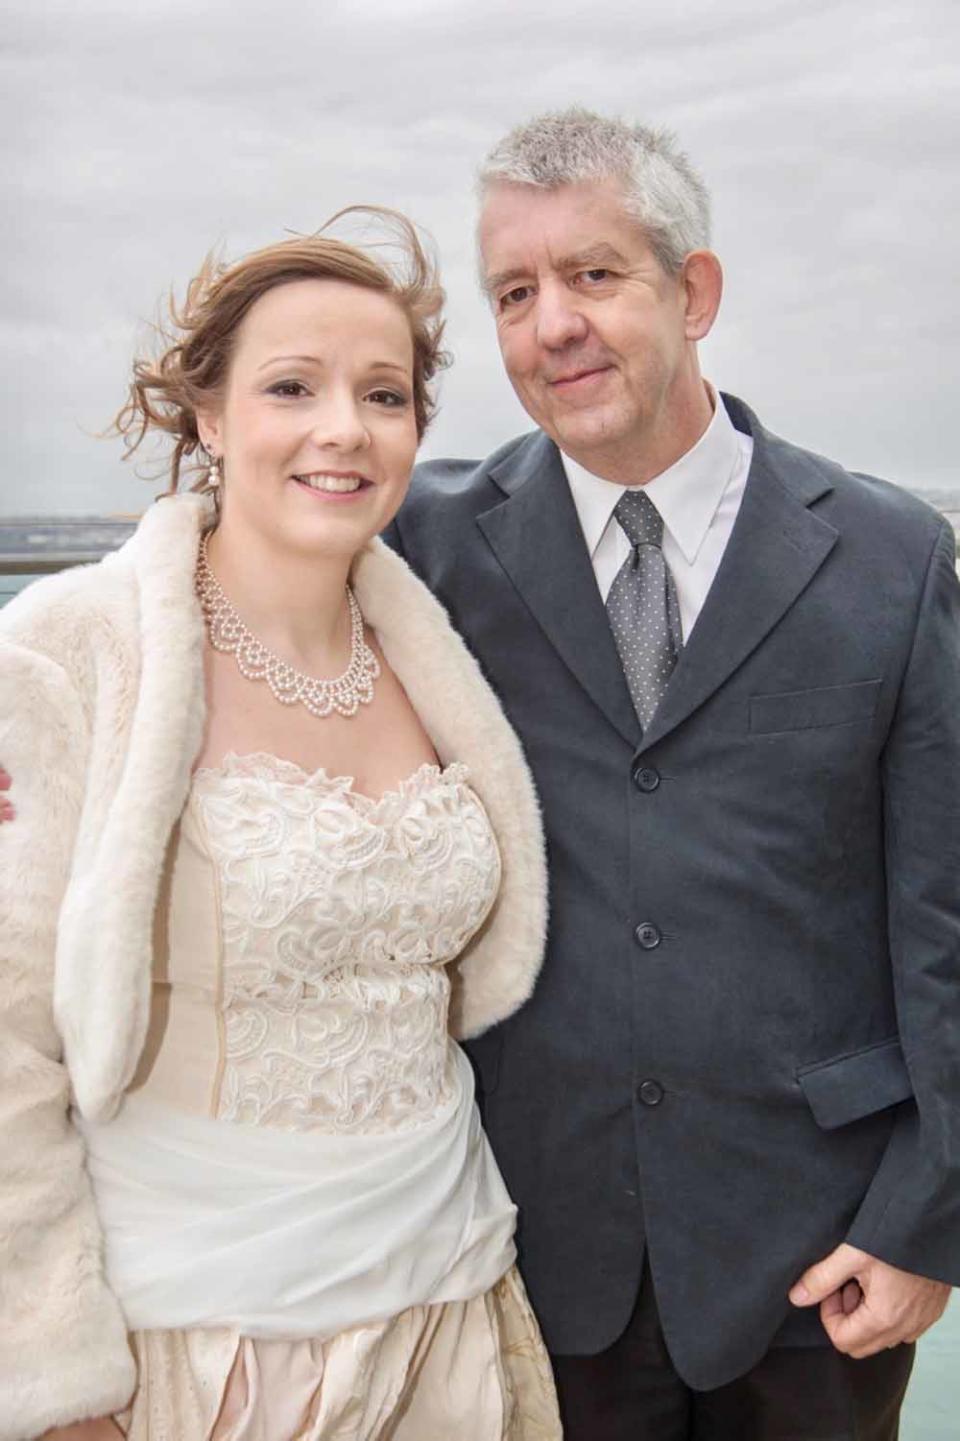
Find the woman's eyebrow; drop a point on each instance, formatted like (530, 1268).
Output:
(276, 360)
(316, 360)
(390, 365)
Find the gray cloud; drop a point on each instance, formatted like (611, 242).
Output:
(134, 139)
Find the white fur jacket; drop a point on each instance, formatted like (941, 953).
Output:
(101, 717)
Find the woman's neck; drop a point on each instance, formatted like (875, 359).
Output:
(295, 604)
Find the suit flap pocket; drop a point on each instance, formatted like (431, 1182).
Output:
(850, 1087)
(831, 705)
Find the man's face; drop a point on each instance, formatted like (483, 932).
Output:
(592, 329)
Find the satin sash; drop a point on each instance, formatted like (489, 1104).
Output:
(284, 1234)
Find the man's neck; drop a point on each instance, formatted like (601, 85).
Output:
(639, 459)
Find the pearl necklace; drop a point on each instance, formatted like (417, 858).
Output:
(228, 633)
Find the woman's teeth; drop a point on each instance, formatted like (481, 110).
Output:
(339, 484)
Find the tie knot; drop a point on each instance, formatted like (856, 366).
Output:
(639, 518)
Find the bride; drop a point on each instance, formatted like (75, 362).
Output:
(274, 842)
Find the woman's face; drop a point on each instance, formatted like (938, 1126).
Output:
(316, 429)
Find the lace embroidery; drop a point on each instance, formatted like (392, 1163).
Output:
(339, 914)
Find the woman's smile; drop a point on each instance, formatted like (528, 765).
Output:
(333, 485)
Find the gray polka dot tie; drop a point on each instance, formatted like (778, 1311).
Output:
(643, 608)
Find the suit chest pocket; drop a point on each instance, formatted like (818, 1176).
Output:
(835, 705)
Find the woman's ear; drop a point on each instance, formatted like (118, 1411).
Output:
(210, 431)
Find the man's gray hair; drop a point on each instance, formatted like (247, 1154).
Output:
(662, 191)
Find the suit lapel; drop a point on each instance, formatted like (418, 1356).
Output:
(536, 536)
(776, 548)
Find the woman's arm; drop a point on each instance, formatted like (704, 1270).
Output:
(7, 811)
(63, 1349)
(102, 1429)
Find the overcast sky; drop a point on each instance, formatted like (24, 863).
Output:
(136, 134)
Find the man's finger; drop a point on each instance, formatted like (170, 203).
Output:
(858, 1334)
(851, 1296)
(830, 1274)
(5, 781)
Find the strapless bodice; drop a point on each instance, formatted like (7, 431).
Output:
(302, 936)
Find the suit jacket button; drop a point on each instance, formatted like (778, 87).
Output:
(647, 935)
(645, 778)
(650, 1092)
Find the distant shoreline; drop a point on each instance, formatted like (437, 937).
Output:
(39, 544)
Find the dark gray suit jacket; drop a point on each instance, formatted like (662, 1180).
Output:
(744, 1047)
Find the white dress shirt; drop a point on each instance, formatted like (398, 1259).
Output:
(698, 498)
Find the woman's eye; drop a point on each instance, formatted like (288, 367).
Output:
(288, 388)
(392, 399)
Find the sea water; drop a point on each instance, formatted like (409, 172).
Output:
(932, 1410)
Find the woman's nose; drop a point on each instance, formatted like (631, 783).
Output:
(341, 425)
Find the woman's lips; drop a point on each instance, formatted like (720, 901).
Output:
(335, 497)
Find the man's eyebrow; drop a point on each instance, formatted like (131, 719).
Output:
(500, 278)
(593, 257)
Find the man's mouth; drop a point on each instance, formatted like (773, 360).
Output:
(334, 482)
(575, 377)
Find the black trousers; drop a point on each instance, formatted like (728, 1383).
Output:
(631, 1392)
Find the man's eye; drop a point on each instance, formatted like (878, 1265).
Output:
(516, 296)
(288, 388)
(595, 274)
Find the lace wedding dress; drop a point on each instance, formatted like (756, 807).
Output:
(300, 987)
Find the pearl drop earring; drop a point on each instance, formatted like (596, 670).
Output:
(214, 476)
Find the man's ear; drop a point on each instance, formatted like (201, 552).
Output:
(702, 280)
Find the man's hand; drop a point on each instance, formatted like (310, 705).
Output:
(7, 812)
(867, 1305)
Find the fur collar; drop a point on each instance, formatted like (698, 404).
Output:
(104, 951)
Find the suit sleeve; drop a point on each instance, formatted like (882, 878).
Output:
(63, 1350)
(910, 1217)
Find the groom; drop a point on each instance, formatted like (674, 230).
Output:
(729, 1114)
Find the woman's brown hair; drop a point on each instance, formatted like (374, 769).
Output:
(167, 390)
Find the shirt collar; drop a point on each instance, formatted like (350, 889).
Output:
(687, 494)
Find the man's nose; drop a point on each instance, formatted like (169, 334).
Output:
(558, 319)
